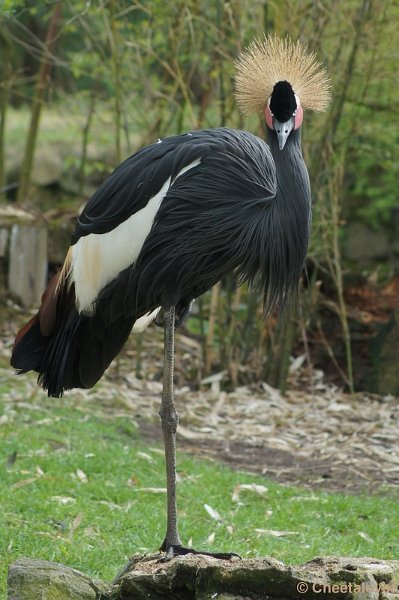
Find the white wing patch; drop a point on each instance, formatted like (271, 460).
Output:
(98, 258)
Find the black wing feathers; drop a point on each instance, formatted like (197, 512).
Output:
(135, 181)
(218, 217)
(211, 222)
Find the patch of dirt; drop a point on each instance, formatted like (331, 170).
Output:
(314, 436)
(287, 467)
(324, 439)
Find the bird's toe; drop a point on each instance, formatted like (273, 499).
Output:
(173, 551)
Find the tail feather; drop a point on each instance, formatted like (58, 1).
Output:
(32, 340)
(99, 346)
(58, 371)
(29, 348)
(75, 349)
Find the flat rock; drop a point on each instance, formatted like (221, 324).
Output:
(196, 577)
(47, 166)
(31, 579)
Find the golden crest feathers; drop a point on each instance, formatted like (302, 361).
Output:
(267, 61)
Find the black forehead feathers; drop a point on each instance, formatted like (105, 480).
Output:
(282, 101)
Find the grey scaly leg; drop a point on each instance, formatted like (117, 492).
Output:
(170, 419)
(172, 544)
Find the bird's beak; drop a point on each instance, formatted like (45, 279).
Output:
(283, 130)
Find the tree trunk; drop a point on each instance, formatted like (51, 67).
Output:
(210, 351)
(44, 72)
(5, 48)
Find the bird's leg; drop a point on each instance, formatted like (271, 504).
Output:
(170, 419)
(172, 544)
(182, 312)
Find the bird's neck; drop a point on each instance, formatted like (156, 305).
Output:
(292, 176)
(291, 217)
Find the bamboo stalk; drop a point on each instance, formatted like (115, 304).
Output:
(213, 310)
(288, 336)
(302, 328)
(85, 140)
(330, 353)
(5, 45)
(110, 24)
(337, 266)
(41, 85)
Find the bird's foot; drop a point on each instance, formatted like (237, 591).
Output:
(171, 551)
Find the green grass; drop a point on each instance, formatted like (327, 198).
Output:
(61, 129)
(49, 512)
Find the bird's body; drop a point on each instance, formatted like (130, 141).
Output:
(167, 225)
(173, 220)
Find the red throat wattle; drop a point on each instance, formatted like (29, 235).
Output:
(298, 115)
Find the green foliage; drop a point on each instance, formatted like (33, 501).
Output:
(137, 71)
(166, 68)
(374, 195)
(10, 7)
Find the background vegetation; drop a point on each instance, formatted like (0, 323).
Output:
(93, 81)
(83, 84)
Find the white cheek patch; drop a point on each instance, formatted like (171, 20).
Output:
(98, 258)
(298, 113)
(268, 115)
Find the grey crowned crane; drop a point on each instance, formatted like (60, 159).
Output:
(169, 223)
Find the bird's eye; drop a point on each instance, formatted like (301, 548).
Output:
(272, 114)
(294, 113)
